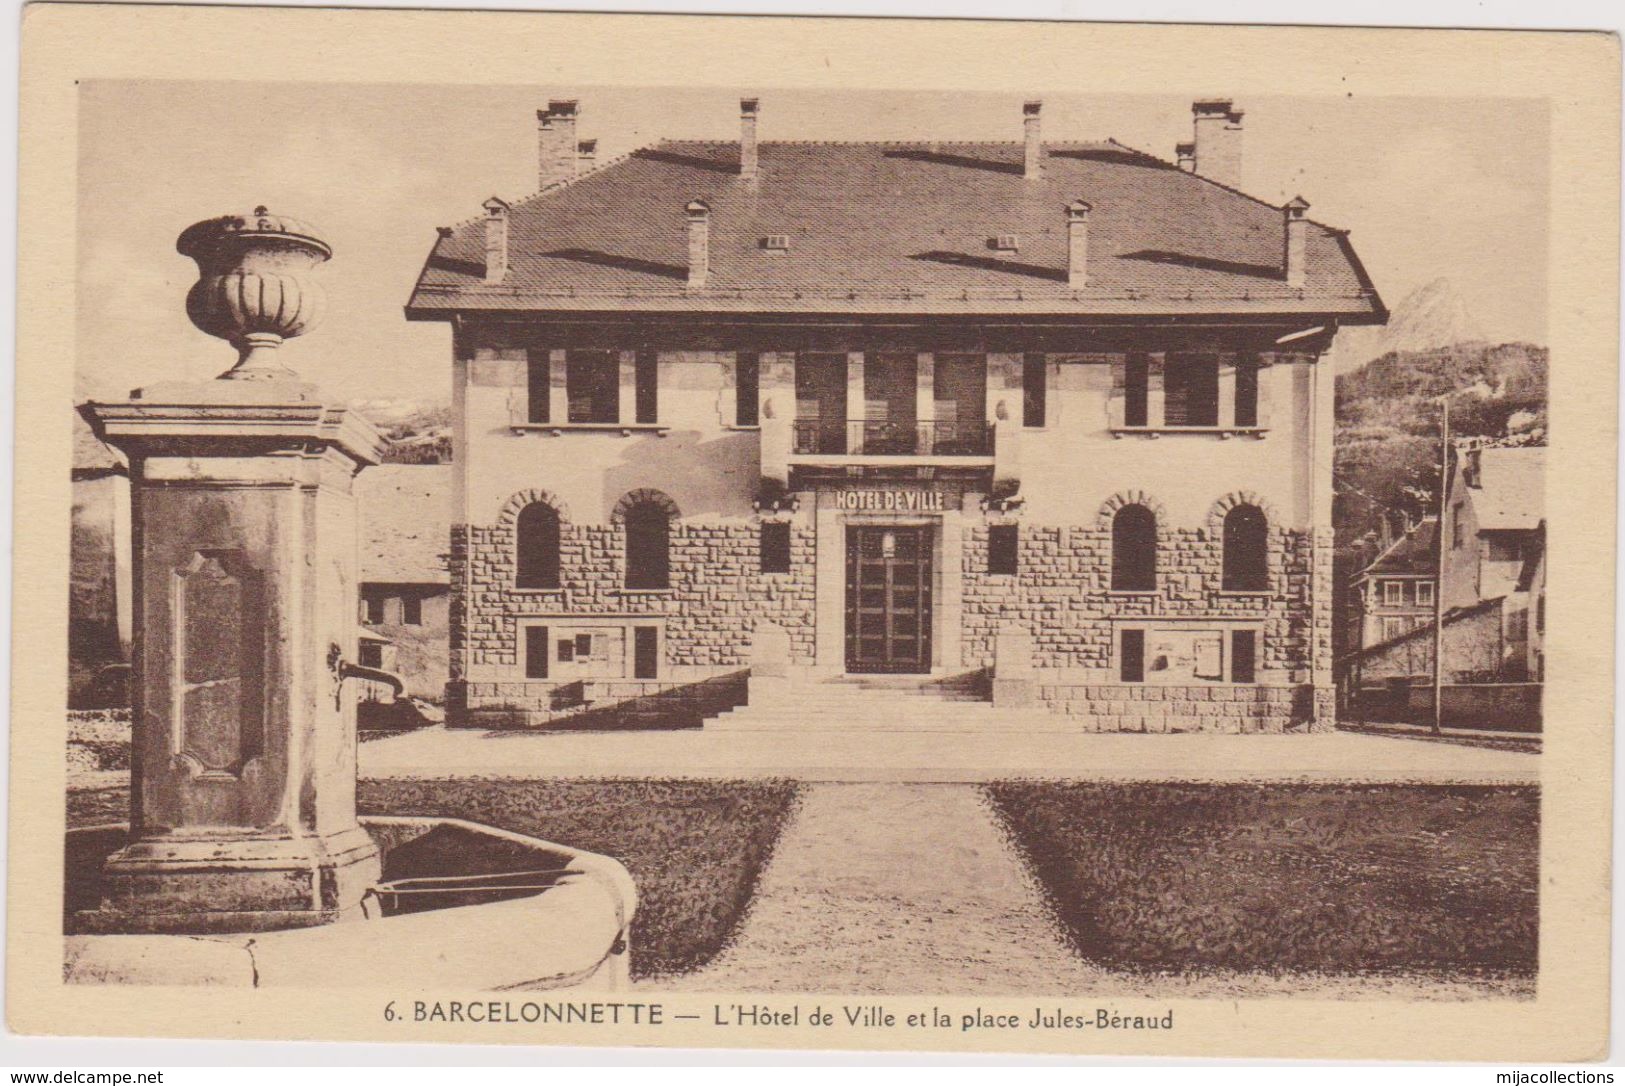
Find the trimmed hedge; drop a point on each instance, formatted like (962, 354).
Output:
(1287, 878)
(694, 848)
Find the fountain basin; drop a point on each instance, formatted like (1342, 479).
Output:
(459, 905)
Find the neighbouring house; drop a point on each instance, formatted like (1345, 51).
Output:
(1493, 600)
(853, 408)
(1394, 594)
(1494, 527)
(98, 573)
(405, 512)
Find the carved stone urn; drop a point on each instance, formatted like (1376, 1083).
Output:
(254, 285)
(244, 528)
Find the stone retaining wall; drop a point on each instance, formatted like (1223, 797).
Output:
(604, 706)
(1124, 707)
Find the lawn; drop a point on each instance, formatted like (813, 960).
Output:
(694, 848)
(1341, 879)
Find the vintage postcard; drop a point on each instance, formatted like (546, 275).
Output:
(812, 533)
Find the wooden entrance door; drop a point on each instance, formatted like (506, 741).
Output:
(888, 599)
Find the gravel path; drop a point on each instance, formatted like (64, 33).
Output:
(901, 889)
(911, 889)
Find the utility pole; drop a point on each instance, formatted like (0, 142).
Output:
(1438, 568)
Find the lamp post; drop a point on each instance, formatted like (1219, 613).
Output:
(1438, 566)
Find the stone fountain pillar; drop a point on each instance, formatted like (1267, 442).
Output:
(244, 538)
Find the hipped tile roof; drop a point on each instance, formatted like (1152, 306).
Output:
(1414, 552)
(896, 227)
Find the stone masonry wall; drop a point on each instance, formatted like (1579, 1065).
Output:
(717, 597)
(1061, 596)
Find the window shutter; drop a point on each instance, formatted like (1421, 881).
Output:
(747, 389)
(1131, 657)
(1035, 390)
(537, 385)
(775, 547)
(1246, 392)
(535, 652)
(1243, 652)
(645, 661)
(1002, 548)
(1136, 389)
(648, 387)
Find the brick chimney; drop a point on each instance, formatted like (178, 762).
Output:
(698, 213)
(1077, 244)
(556, 142)
(586, 155)
(1186, 154)
(545, 139)
(496, 240)
(749, 108)
(1033, 161)
(1297, 236)
(1218, 141)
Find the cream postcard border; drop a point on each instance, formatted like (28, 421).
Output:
(1578, 72)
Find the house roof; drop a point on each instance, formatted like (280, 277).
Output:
(405, 523)
(92, 455)
(896, 228)
(1512, 489)
(1412, 553)
(1451, 617)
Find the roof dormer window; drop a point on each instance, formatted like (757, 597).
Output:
(1006, 243)
(778, 243)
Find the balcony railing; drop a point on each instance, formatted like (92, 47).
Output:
(861, 437)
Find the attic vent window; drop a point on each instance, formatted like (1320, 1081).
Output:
(1007, 243)
(777, 242)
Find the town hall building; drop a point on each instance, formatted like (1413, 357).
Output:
(1053, 414)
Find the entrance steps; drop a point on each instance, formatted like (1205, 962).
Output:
(880, 703)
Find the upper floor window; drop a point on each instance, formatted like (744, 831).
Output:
(648, 546)
(1505, 550)
(1246, 550)
(1134, 550)
(1393, 593)
(592, 382)
(537, 544)
(1457, 536)
(372, 610)
(411, 610)
(747, 388)
(1424, 593)
(1190, 391)
(1034, 390)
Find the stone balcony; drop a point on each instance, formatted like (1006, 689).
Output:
(818, 444)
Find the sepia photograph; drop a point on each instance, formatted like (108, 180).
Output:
(695, 547)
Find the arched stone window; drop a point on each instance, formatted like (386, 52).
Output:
(1134, 549)
(536, 543)
(648, 544)
(1246, 550)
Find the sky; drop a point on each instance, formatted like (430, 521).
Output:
(1429, 188)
